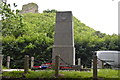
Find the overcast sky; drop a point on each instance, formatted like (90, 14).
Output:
(101, 15)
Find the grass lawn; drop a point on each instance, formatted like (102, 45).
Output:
(102, 73)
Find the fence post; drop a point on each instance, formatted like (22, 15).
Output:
(8, 62)
(1, 58)
(102, 64)
(79, 61)
(32, 62)
(56, 66)
(26, 64)
(94, 67)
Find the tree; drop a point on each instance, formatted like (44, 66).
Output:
(50, 11)
(13, 19)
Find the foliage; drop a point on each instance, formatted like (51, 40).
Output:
(3, 67)
(33, 35)
(50, 11)
(12, 23)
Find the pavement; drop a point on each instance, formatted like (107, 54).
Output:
(7, 70)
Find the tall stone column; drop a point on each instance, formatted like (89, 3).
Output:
(64, 37)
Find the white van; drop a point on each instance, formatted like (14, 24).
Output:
(111, 58)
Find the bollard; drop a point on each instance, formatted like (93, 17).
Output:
(79, 61)
(32, 62)
(1, 58)
(94, 67)
(56, 66)
(26, 64)
(8, 62)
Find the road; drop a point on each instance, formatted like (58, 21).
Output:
(7, 70)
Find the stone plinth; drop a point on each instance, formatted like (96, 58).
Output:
(64, 37)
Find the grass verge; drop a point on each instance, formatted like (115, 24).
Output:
(107, 74)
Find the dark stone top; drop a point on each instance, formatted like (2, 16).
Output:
(64, 16)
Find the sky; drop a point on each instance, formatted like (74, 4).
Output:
(101, 15)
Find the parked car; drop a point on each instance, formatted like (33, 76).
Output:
(110, 58)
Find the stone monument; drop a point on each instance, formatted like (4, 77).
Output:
(64, 38)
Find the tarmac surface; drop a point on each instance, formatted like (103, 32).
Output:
(7, 70)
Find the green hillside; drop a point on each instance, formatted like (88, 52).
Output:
(33, 35)
(45, 23)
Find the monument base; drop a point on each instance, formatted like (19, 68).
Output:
(66, 53)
